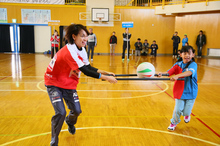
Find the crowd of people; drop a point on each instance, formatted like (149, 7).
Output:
(200, 42)
(140, 48)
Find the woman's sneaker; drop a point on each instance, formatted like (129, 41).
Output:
(171, 127)
(187, 119)
(71, 128)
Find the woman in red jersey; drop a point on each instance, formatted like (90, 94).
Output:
(62, 76)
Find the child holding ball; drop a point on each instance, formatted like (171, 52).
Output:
(184, 91)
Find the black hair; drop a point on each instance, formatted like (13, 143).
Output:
(201, 31)
(139, 39)
(154, 41)
(145, 40)
(186, 49)
(56, 31)
(74, 29)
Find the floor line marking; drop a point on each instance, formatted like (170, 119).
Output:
(114, 127)
(6, 117)
(194, 115)
(98, 90)
(152, 94)
(16, 72)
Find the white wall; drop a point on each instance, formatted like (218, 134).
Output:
(188, 7)
(42, 35)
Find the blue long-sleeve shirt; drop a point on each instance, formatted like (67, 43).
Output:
(185, 40)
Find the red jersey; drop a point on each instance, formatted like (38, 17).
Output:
(55, 41)
(63, 70)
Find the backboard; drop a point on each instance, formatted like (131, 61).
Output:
(98, 13)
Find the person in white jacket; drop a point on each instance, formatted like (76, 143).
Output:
(92, 42)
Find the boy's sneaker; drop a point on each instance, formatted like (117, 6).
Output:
(71, 128)
(128, 60)
(172, 127)
(187, 119)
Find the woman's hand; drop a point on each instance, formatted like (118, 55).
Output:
(110, 79)
(111, 73)
(105, 72)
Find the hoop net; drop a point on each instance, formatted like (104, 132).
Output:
(100, 20)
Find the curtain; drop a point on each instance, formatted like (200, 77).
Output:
(5, 45)
(27, 44)
(61, 37)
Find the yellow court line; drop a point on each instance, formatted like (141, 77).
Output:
(193, 117)
(107, 83)
(161, 91)
(115, 127)
(19, 82)
(90, 90)
(137, 61)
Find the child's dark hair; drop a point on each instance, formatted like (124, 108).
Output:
(139, 39)
(154, 41)
(186, 49)
(56, 32)
(74, 29)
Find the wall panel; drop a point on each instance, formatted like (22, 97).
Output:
(147, 25)
(191, 24)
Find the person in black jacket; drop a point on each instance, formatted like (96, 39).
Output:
(126, 41)
(113, 42)
(154, 48)
(200, 42)
(145, 48)
(138, 47)
(176, 41)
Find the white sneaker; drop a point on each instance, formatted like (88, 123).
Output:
(172, 127)
(91, 60)
(187, 119)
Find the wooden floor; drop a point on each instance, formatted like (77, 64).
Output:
(127, 113)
